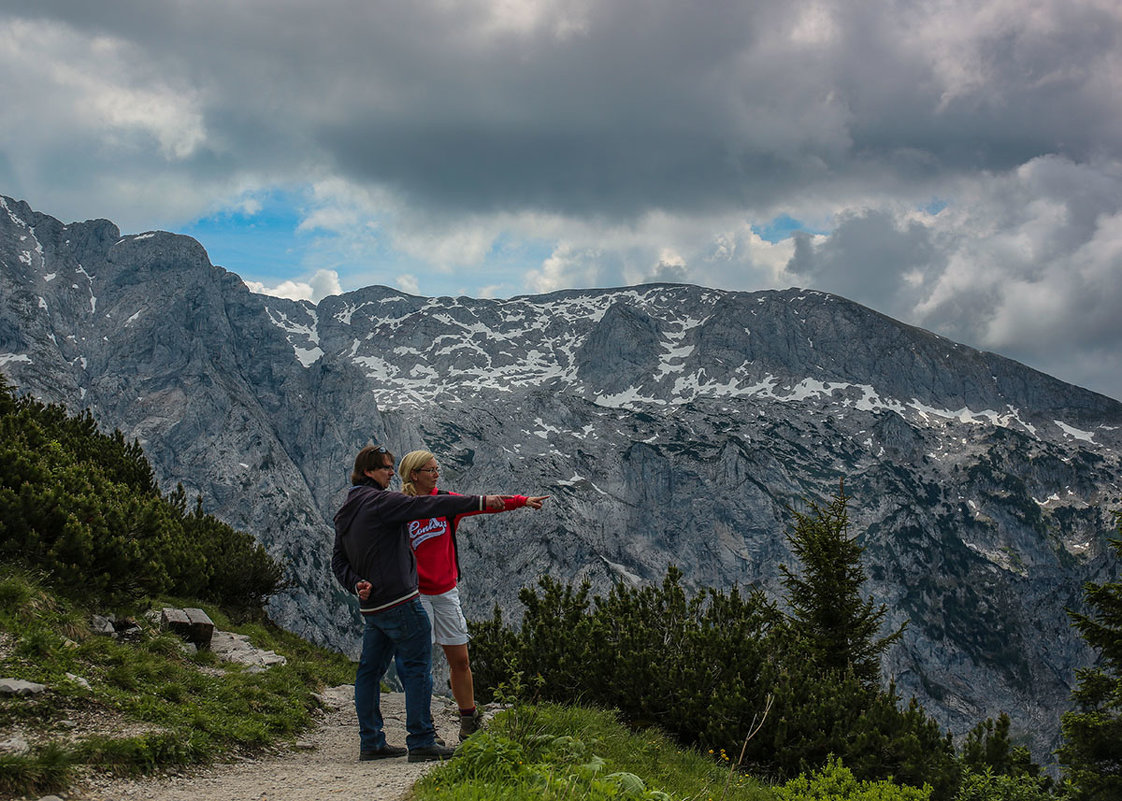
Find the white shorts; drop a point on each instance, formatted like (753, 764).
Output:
(448, 624)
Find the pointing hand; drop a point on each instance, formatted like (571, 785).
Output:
(536, 501)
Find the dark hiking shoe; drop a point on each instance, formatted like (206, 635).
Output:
(387, 751)
(470, 724)
(431, 753)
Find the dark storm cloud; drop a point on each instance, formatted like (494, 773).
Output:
(993, 92)
(616, 108)
(871, 257)
(1028, 264)
(704, 107)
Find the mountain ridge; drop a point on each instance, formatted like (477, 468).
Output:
(672, 424)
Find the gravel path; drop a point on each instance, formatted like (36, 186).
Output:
(323, 764)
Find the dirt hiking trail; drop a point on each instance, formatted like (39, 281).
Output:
(322, 765)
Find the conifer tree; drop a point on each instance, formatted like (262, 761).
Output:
(1092, 750)
(838, 627)
(7, 396)
(989, 747)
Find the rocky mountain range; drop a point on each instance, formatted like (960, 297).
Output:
(672, 424)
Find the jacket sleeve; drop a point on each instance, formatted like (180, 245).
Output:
(509, 502)
(341, 566)
(400, 508)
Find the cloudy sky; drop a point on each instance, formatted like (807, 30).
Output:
(956, 164)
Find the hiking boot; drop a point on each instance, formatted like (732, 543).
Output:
(435, 733)
(470, 724)
(387, 751)
(431, 753)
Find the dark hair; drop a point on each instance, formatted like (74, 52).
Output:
(369, 458)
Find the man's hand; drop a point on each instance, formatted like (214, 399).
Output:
(363, 589)
(536, 501)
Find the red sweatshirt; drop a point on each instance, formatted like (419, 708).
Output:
(434, 544)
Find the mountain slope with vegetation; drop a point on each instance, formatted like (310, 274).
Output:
(670, 423)
(795, 692)
(84, 506)
(792, 692)
(84, 531)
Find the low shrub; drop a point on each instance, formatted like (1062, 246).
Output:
(703, 668)
(836, 782)
(44, 770)
(985, 785)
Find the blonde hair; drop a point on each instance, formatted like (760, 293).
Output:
(414, 460)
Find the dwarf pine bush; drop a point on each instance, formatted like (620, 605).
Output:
(836, 782)
(75, 502)
(701, 667)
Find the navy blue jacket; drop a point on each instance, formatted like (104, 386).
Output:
(372, 540)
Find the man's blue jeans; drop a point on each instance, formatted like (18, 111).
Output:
(404, 630)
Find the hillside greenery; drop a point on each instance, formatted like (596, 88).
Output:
(83, 506)
(713, 694)
(555, 752)
(85, 530)
(130, 707)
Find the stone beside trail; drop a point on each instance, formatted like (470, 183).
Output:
(322, 765)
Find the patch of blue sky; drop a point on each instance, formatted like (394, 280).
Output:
(258, 240)
(261, 240)
(782, 227)
(934, 206)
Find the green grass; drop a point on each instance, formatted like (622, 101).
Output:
(561, 752)
(553, 752)
(175, 708)
(169, 709)
(46, 770)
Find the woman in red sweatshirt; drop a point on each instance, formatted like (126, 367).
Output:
(434, 544)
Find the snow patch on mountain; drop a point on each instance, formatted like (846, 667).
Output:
(1075, 433)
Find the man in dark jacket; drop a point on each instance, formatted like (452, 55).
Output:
(372, 544)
